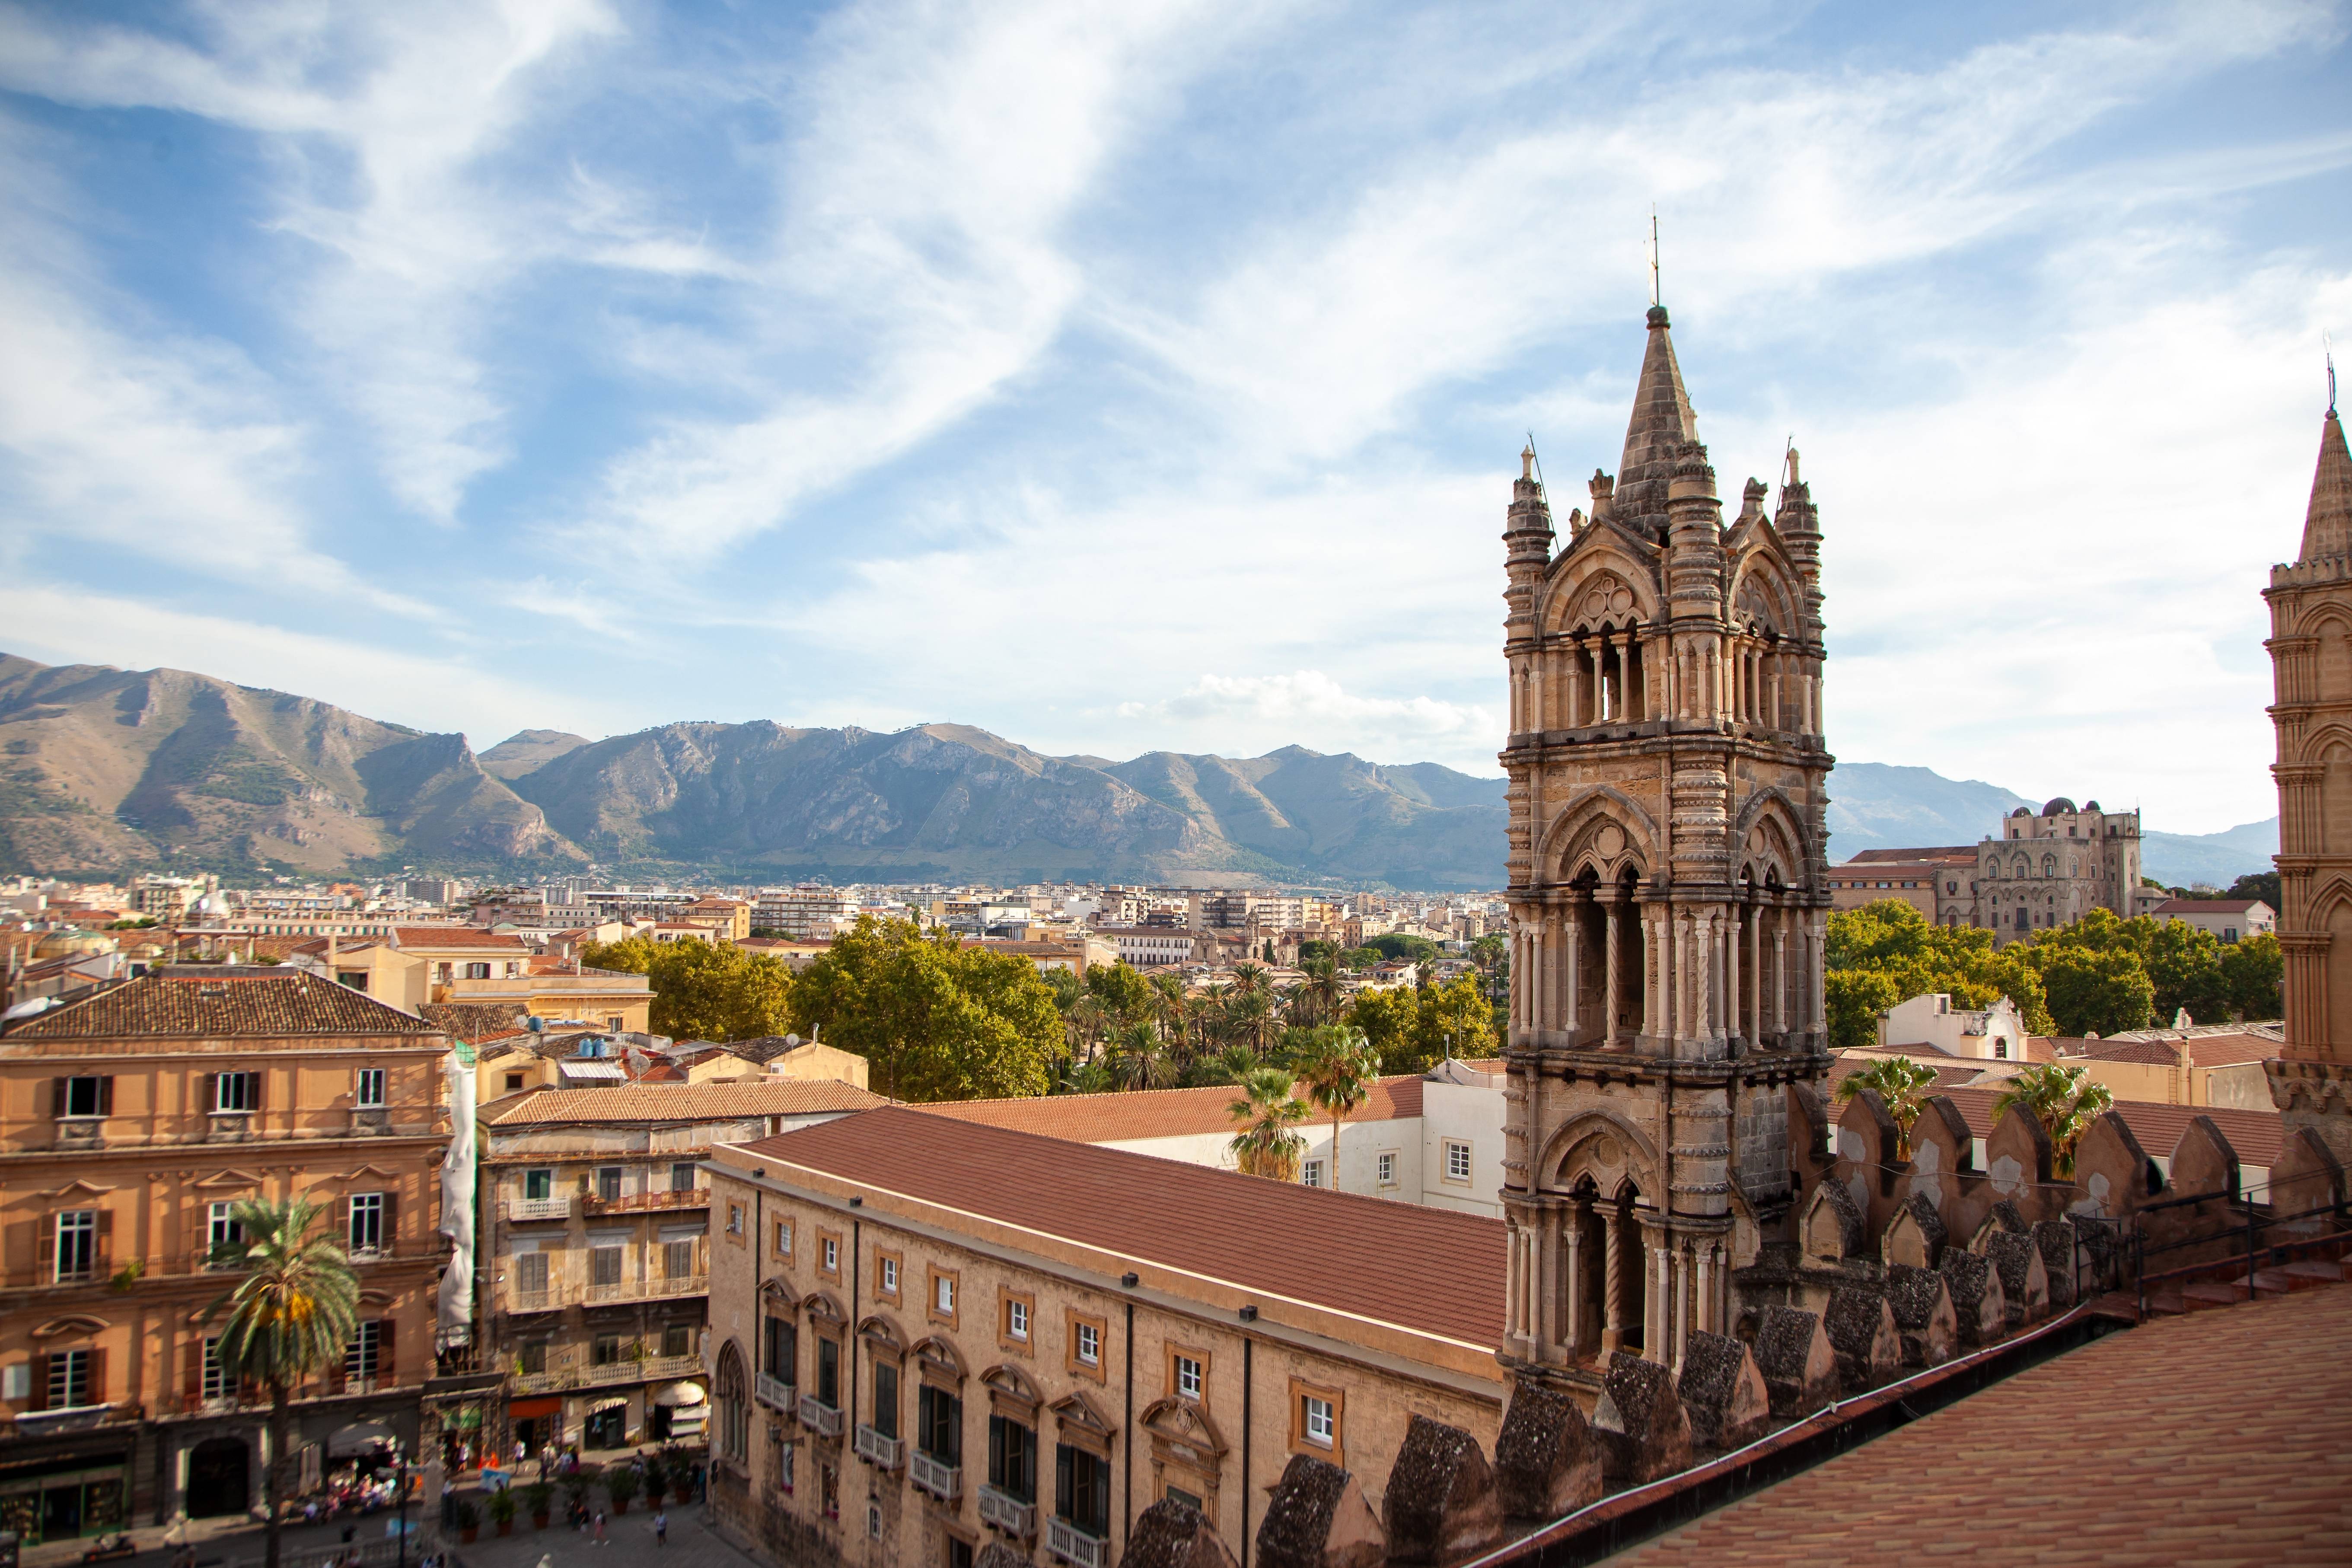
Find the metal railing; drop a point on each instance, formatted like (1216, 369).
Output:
(935, 1476)
(547, 1297)
(1079, 1547)
(774, 1392)
(649, 1289)
(691, 1198)
(2247, 1226)
(638, 1369)
(523, 1210)
(819, 1418)
(1007, 1512)
(877, 1449)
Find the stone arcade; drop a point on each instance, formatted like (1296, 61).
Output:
(1667, 881)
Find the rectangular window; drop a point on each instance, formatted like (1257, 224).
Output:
(677, 1259)
(1178, 1494)
(678, 1339)
(514, 1082)
(1188, 1378)
(735, 1220)
(681, 1176)
(224, 1237)
(780, 1350)
(1310, 1174)
(832, 1255)
(604, 1350)
(939, 1424)
(77, 1246)
(367, 1222)
(1088, 1344)
(1082, 1489)
(1457, 1160)
(886, 1399)
(236, 1092)
(534, 1355)
(217, 1384)
(363, 1354)
(1315, 1420)
(539, 1183)
(943, 1295)
(530, 1273)
(477, 972)
(886, 1273)
(608, 1182)
(828, 1374)
(1386, 1166)
(370, 1095)
(783, 1238)
(784, 1456)
(603, 1266)
(1016, 1320)
(1012, 1459)
(69, 1380)
(85, 1096)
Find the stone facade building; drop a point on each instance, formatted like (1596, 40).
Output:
(1668, 890)
(2053, 866)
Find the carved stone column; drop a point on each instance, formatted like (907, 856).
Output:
(1780, 972)
(1573, 1329)
(1572, 971)
(1611, 917)
(1613, 1282)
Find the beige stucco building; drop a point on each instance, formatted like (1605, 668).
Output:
(2053, 866)
(928, 1333)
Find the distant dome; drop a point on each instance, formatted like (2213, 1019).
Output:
(2090, 806)
(2022, 811)
(2061, 807)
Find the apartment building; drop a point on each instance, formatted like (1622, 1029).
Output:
(594, 1234)
(805, 913)
(411, 966)
(1150, 947)
(130, 1121)
(928, 1334)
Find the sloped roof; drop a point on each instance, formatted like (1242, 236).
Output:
(1429, 1270)
(460, 936)
(2328, 523)
(216, 1001)
(474, 1022)
(2256, 1135)
(687, 1102)
(2206, 906)
(1940, 852)
(1131, 1114)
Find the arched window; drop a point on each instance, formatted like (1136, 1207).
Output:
(734, 1434)
(2049, 865)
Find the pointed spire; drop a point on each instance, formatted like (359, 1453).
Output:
(2327, 526)
(1662, 422)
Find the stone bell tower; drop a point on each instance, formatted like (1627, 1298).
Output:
(1668, 890)
(2311, 660)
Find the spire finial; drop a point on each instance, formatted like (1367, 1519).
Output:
(2328, 350)
(1657, 288)
(1528, 461)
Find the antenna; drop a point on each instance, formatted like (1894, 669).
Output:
(1657, 288)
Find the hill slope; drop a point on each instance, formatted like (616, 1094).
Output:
(103, 768)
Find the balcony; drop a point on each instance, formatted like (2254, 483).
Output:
(1079, 1547)
(80, 1133)
(937, 1476)
(819, 1418)
(522, 1211)
(229, 1127)
(547, 1299)
(691, 1198)
(876, 1449)
(774, 1392)
(648, 1289)
(1008, 1512)
(645, 1369)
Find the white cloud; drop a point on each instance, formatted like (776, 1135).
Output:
(1308, 702)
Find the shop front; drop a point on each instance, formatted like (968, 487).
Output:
(607, 1423)
(679, 1413)
(537, 1423)
(66, 1496)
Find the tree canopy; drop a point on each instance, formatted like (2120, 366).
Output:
(1396, 944)
(935, 1019)
(1410, 1030)
(704, 990)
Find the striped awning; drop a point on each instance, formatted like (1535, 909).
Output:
(615, 1403)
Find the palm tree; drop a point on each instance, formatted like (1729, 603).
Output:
(1338, 1068)
(1902, 1084)
(2064, 1099)
(1323, 989)
(1267, 1110)
(1234, 1064)
(1135, 1059)
(294, 1314)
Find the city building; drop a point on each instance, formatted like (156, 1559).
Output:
(1940, 883)
(805, 913)
(2052, 868)
(1149, 947)
(2229, 920)
(132, 1120)
(1930, 1021)
(928, 1334)
(594, 1233)
(1666, 1006)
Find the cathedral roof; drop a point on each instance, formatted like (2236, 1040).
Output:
(1662, 421)
(2327, 527)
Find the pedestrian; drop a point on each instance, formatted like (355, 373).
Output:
(661, 1527)
(600, 1527)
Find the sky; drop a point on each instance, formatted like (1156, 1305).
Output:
(1153, 375)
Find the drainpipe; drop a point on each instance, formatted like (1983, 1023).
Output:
(1127, 1447)
(1249, 1344)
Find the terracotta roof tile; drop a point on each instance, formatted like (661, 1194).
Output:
(687, 1102)
(221, 1000)
(459, 936)
(2220, 1436)
(1122, 1117)
(2256, 1135)
(1429, 1270)
(474, 1021)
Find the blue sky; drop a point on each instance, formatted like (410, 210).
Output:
(1153, 376)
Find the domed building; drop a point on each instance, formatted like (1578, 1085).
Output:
(2051, 868)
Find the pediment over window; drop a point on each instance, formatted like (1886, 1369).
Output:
(220, 1179)
(72, 1324)
(1010, 1393)
(882, 1334)
(821, 1306)
(1080, 1418)
(938, 1355)
(1180, 1421)
(78, 1189)
(777, 1295)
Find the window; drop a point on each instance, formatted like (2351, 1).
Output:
(608, 1182)
(678, 1339)
(780, 1350)
(1178, 1494)
(1457, 1160)
(1085, 1345)
(783, 1238)
(1082, 1489)
(370, 1095)
(828, 1374)
(69, 1380)
(367, 1222)
(364, 1353)
(539, 1183)
(784, 1455)
(1316, 1423)
(682, 1175)
(1310, 1174)
(735, 1220)
(1386, 1164)
(886, 1399)
(939, 1424)
(1315, 1417)
(222, 1233)
(828, 1491)
(534, 1355)
(477, 972)
(604, 1350)
(829, 1250)
(514, 1082)
(216, 1384)
(530, 1273)
(85, 1096)
(943, 1295)
(616, 1023)
(873, 1519)
(236, 1092)
(1016, 1320)
(677, 1259)
(1012, 1459)
(886, 1273)
(1186, 1377)
(76, 1250)
(604, 1266)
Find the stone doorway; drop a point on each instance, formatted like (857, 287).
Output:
(220, 1478)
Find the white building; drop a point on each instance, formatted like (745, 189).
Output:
(2230, 920)
(1987, 1034)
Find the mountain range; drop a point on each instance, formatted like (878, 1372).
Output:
(109, 770)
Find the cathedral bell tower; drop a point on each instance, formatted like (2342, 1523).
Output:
(1668, 890)
(2311, 660)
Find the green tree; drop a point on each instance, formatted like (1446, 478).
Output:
(1267, 1114)
(1855, 997)
(1490, 950)
(1887, 951)
(2262, 885)
(703, 989)
(1454, 1020)
(2064, 1099)
(1396, 944)
(1390, 1021)
(2094, 990)
(1902, 1084)
(2254, 975)
(1338, 1066)
(1125, 997)
(293, 1315)
(936, 1019)
(1135, 1059)
(1314, 948)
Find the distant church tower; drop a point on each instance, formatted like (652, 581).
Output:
(2311, 662)
(1668, 860)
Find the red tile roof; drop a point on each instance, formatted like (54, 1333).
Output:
(1154, 1112)
(2207, 905)
(2221, 1437)
(221, 1002)
(468, 937)
(1429, 1270)
(1940, 852)
(687, 1102)
(2256, 1135)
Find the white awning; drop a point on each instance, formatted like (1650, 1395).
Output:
(680, 1393)
(602, 1406)
(688, 1417)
